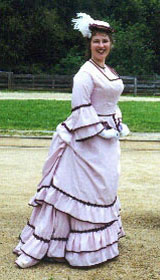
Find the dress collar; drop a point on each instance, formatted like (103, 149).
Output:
(103, 72)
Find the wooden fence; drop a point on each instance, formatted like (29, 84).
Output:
(148, 85)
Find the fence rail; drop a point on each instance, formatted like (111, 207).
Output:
(149, 85)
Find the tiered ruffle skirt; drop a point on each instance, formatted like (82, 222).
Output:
(63, 225)
(55, 234)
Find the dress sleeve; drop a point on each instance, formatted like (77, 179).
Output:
(118, 118)
(118, 113)
(85, 121)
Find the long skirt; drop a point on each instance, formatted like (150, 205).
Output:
(76, 211)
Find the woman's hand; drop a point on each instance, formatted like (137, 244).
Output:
(109, 133)
(124, 130)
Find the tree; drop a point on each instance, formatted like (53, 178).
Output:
(131, 55)
(37, 36)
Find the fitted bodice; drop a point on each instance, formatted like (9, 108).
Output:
(95, 95)
(106, 90)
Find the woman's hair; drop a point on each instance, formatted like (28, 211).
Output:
(88, 40)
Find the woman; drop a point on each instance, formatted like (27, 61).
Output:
(76, 209)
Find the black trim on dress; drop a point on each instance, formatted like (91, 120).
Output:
(30, 256)
(41, 238)
(95, 229)
(118, 78)
(82, 105)
(75, 252)
(89, 137)
(117, 122)
(79, 200)
(84, 126)
(59, 238)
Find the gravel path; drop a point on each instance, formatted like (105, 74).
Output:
(62, 96)
(20, 171)
(35, 95)
(22, 134)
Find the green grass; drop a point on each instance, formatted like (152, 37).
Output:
(141, 116)
(47, 114)
(32, 114)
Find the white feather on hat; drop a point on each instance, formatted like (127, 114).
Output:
(84, 23)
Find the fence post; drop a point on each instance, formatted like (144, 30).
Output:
(135, 86)
(33, 80)
(10, 80)
(53, 82)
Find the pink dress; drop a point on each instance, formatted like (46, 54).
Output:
(76, 210)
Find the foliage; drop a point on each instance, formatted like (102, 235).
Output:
(69, 64)
(37, 36)
(131, 52)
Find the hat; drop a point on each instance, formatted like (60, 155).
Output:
(85, 24)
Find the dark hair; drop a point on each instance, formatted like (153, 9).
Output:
(88, 41)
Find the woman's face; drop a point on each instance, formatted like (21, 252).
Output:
(100, 46)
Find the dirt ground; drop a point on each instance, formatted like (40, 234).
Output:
(139, 191)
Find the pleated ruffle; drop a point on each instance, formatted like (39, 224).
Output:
(80, 243)
(83, 123)
(76, 208)
(93, 258)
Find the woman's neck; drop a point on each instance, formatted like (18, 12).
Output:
(99, 63)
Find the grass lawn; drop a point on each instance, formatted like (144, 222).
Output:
(141, 116)
(32, 114)
(46, 114)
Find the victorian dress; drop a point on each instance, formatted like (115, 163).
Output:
(76, 211)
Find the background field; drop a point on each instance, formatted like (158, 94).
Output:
(142, 116)
(139, 192)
